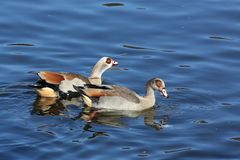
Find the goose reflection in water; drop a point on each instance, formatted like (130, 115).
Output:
(47, 106)
(57, 107)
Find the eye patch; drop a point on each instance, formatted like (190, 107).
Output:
(158, 83)
(109, 60)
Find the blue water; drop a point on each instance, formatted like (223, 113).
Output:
(192, 45)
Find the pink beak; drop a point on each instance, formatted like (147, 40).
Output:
(114, 63)
(164, 93)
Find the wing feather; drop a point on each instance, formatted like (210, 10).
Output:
(114, 91)
(57, 77)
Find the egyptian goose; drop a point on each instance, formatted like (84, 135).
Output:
(51, 83)
(120, 98)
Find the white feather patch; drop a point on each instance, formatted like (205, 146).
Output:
(67, 85)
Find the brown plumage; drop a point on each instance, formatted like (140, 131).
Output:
(52, 82)
(57, 77)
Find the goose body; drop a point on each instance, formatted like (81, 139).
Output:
(121, 98)
(52, 82)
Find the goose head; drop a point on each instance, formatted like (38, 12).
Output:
(107, 62)
(159, 85)
(102, 65)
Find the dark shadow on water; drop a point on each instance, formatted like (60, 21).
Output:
(236, 139)
(184, 66)
(130, 46)
(215, 37)
(21, 44)
(95, 133)
(113, 4)
(168, 51)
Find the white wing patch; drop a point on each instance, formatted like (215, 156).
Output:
(67, 85)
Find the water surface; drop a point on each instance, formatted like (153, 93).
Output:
(193, 46)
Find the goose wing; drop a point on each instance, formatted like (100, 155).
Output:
(111, 90)
(57, 77)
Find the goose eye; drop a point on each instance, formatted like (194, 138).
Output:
(158, 83)
(108, 61)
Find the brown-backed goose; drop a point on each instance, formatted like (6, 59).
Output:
(52, 82)
(120, 98)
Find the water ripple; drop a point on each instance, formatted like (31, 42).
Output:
(195, 51)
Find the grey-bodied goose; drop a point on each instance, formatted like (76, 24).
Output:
(121, 98)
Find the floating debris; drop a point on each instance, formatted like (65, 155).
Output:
(113, 4)
(51, 133)
(184, 66)
(76, 141)
(201, 121)
(226, 104)
(126, 148)
(235, 138)
(21, 44)
(218, 38)
(135, 47)
(168, 51)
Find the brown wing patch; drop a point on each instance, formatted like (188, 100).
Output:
(51, 77)
(96, 92)
(71, 76)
